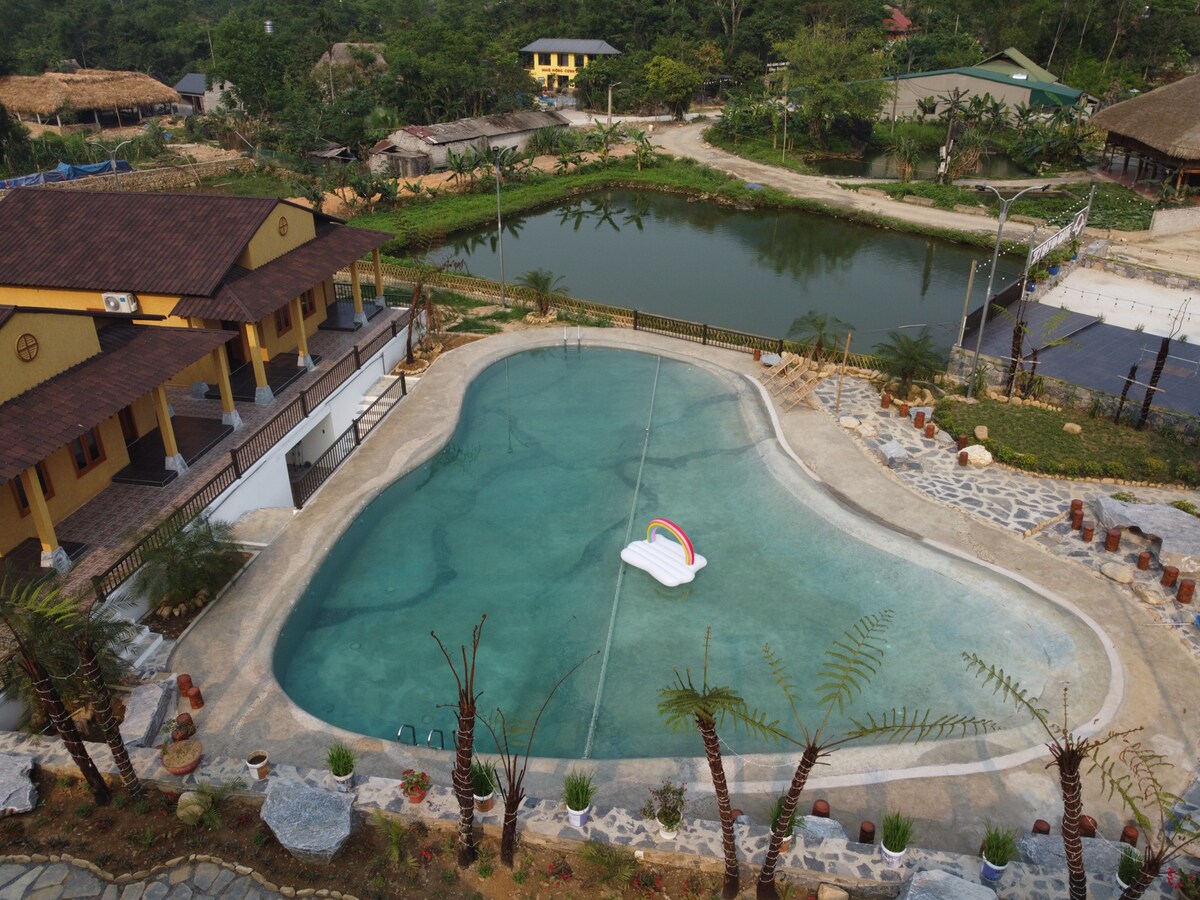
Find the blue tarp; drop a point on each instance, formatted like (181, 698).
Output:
(65, 172)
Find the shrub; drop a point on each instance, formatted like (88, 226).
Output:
(1071, 467)
(1155, 468)
(1091, 468)
(1114, 469)
(1125, 497)
(191, 566)
(1187, 473)
(1186, 506)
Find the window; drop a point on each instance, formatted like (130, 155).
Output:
(543, 59)
(86, 451)
(283, 320)
(308, 303)
(19, 489)
(575, 60)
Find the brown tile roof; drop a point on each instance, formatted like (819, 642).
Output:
(247, 296)
(156, 243)
(133, 360)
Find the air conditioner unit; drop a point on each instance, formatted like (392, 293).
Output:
(120, 303)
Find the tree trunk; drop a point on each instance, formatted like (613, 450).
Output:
(53, 706)
(1072, 794)
(712, 750)
(1160, 362)
(1018, 342)
(412, 311)
(1129, 379)
(464, 788)
(508, 836)
(1151, 868)
(104, 716)
(766, 877)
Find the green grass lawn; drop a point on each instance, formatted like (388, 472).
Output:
(1115, 206)
(760, 149)
(1033, 439)
(255, 183)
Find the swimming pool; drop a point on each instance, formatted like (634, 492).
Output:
(560, 458)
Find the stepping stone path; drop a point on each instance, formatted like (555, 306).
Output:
(310, 823)
(17, 791)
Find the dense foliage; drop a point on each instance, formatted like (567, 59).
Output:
(443, 59)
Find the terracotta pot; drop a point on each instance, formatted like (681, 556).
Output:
(416, 796)
(259, 765)
(962, 441)
(1169, 576)
(1041, 826)
(903, 409)
(1187, 589)
(919, 420)
(1076, 519)
(866, 832)
(930, 430)
(757, 354)
(962, 457)
(1076, 504)
(185, 684)
(195, 698)
(183, 768)
(1112, 540)
(885, 401)
(820, 809)
(1143, 562)
(1087, 532)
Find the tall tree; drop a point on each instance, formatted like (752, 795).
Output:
(464, 741)
(671, 83)
(686, 706)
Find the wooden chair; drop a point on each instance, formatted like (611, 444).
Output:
(769, 375)
(789, 379)
(806, 386)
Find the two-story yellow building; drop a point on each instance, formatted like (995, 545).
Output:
(106, 298)
(555, 62)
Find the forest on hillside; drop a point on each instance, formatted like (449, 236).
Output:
(443, 59)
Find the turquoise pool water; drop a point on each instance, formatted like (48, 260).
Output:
(561, 457)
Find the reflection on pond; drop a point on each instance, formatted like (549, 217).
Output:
(756, 271)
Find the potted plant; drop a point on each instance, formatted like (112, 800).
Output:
(182, 757)
(998, 849)
(340, 760)
(483, 784)
(259, 764)
(666, 804)
(577, 794)
(414, 784)
(1128, 867)
(897, 835)
(776, 815)
(1187, 883)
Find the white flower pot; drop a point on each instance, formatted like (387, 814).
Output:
(578, 817)
(992, 872)
(345, 783)
(668, 832)
(891, 858)
(259, 765)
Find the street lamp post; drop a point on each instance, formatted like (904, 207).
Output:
(610, 87)
(112, 158)
(499, 227)
(1004, 205)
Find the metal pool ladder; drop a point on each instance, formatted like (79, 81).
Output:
(412, 731)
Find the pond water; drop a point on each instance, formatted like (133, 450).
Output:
(757, 271)
(881, 165)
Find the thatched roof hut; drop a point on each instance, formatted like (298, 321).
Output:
(349, 54)
(1166, 120)
(88, 89)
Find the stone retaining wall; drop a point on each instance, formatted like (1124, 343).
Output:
(1175, 221)
(1127, 269)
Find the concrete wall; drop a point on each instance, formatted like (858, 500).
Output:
(1175, 221)
(154, 179)
(909, 90)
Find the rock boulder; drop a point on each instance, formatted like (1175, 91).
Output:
(981, 432)
(18, 794)
(978, 456)
(146, 708)
(821, 827)
(1177, 532)
(937, 885)
(310, 823)
(1072, 428)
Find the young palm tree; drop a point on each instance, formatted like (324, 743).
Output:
(25, 610)
(850, 664)
(906, 152)
(909, 359)
(464, 742)
(545, 286)
(686, 706)
(1068, 751)
(817, 330)
(510, 740)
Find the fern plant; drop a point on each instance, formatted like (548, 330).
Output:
(849, 665)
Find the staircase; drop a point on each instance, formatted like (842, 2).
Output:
(143, 643)
(375, 391)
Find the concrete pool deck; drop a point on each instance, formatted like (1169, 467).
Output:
(229, 650)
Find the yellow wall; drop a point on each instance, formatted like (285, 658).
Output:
(268, 244)
(62, 298)
(70, 491)
(560, 64)
(62, 342)
(144, 417)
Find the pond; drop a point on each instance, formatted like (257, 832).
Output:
(757, 271)
(881, 164)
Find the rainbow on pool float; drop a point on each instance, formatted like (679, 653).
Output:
(671, 562)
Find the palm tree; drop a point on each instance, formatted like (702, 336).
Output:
(686, 706)
(546, 288)
(926, 106)
(1068, 751)
(850, 664)
(464, 742)
(818, 331)
(25, 610)
(514, 763)
(909, 359)
(905, 151)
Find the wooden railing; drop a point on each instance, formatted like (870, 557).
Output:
(710, 335)
(244, 456)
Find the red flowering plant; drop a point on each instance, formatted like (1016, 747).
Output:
(1187, 883)
(413, 782)
(559, 870)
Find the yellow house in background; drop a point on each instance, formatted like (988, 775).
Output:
(555, 62)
